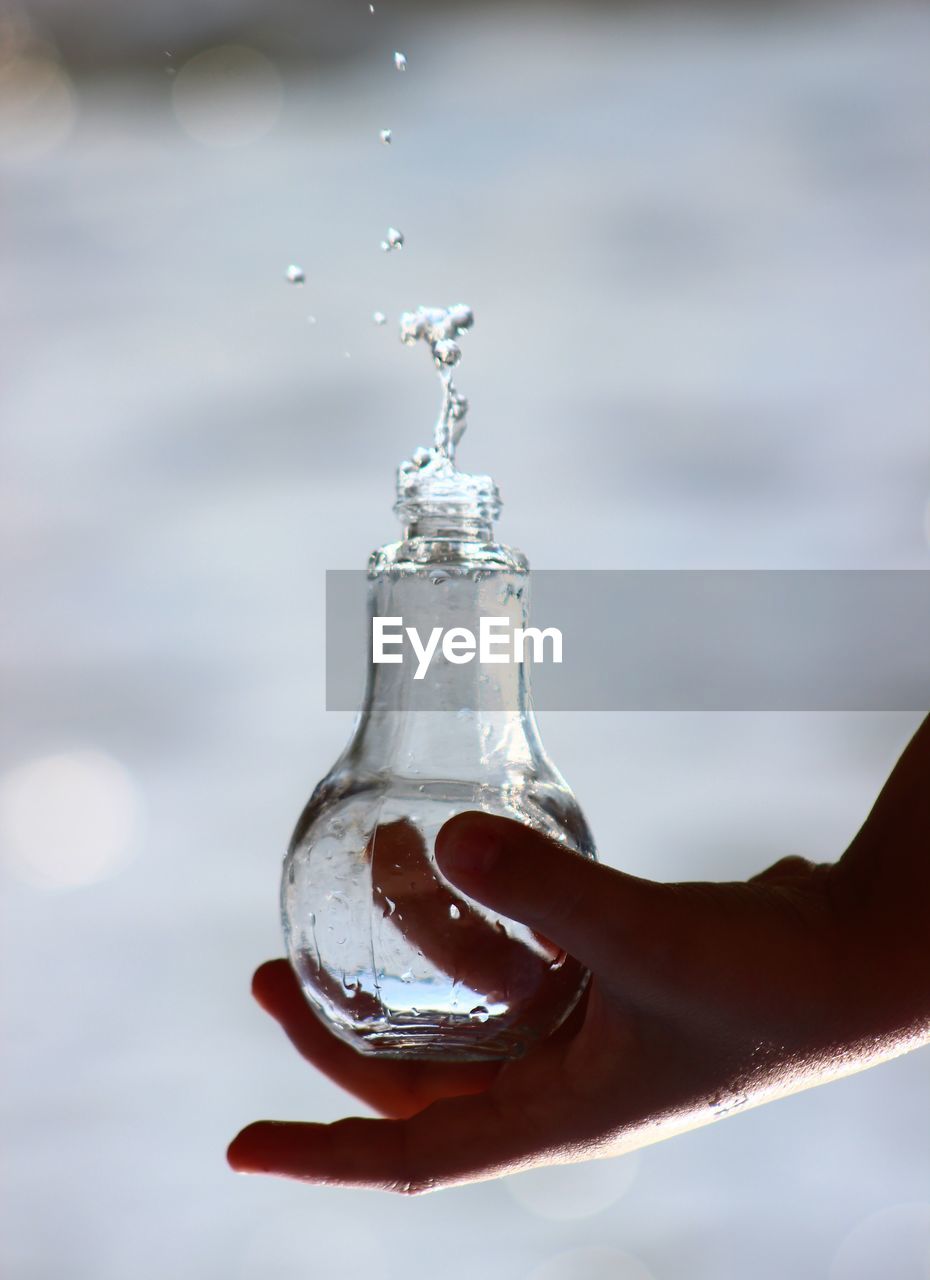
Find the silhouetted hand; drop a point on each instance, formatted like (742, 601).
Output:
(705, 998)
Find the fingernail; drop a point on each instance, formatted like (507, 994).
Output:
(460, 848)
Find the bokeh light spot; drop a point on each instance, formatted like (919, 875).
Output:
(67, 819)
(562, 1193)
(227, 96)
(592, 1264)
(892, 1242)
(37, 106)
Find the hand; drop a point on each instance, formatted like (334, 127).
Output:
(705, 999)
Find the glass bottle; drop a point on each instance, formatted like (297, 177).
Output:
(392, 957)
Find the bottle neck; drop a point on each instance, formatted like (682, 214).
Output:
(431, 715)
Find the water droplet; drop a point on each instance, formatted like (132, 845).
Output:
(371, 8)
(461, 316)
(295, 274)
(447, 352)
(379, 317)
(421, 457)
(393, 240)
(407, 976)
(386, 137)
(400, 61)
(454, 913)
(437, 576)
(412, 327)
(479, 1013)
(390, 906)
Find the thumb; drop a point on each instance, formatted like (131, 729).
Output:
(602, 917)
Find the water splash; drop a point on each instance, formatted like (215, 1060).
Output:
(439, 327)
(430, 483)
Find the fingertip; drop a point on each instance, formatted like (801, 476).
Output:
(268, 977)
(469, 844)
(241, 1153)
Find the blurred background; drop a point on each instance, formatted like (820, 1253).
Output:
(695, 240)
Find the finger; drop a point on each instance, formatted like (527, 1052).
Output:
(900, 817)
(452, 931)
(602, 917)
(392, 1086)
(884, 876)
(459, 1140)
(792, 869)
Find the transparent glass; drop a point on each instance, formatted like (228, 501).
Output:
(394, 958)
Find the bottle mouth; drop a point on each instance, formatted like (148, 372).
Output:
(433, 495)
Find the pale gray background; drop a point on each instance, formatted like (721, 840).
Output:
(696, 246)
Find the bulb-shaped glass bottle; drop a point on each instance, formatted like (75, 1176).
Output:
(391, 956)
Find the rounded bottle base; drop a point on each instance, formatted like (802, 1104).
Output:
(437, 1044)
